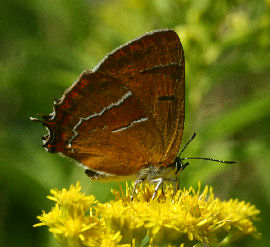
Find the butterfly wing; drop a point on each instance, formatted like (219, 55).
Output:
(124, 114)
(153, 68)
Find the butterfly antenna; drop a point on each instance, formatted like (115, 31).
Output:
(202, 158)
(192, 137)
(210, 159)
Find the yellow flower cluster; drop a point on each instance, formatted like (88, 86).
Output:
(187, 218)
(73, 222)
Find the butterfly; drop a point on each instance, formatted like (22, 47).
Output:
(125, 118)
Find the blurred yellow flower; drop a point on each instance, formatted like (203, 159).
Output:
(187, 218)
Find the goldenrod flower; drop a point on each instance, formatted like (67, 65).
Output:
(187, 218)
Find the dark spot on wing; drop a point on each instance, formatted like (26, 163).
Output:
(90, 173)
(166, 98)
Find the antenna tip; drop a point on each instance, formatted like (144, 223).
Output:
(231, 162)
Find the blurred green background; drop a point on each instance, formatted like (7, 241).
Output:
(45, 45)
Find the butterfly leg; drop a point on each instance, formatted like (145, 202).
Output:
(134, 188)
(159, 182)
(179, 168)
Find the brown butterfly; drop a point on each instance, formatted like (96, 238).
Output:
(125, 119)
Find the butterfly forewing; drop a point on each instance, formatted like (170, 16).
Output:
(153, 67)
(128, 112)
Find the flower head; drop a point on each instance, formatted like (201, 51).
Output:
(187, 217)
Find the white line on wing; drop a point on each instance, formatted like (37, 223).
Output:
(95, 114)
(131, 124)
